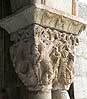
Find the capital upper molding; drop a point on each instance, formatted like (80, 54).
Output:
(44, 16)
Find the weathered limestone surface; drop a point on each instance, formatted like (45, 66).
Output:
(44, 16)
(81, 59)
(80, 85)
(42, 56)
(43, 49)
(82, 9)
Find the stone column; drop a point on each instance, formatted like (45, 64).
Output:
(60, 94)
(40, 95)
(43, 49)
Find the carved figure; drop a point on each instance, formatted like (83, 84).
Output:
(43, 57)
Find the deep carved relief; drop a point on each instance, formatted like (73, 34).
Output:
(43, 57)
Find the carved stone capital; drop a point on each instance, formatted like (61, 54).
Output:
(43, 49)
(43, 57)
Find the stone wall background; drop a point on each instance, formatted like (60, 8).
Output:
(80, 84)
(56, 4)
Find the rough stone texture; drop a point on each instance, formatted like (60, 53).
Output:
(39, 68)
(82, 9)
(56, 4)
(81, 59)
(44, 16)
(81, 68)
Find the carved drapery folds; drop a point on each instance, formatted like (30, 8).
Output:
(43, 57)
